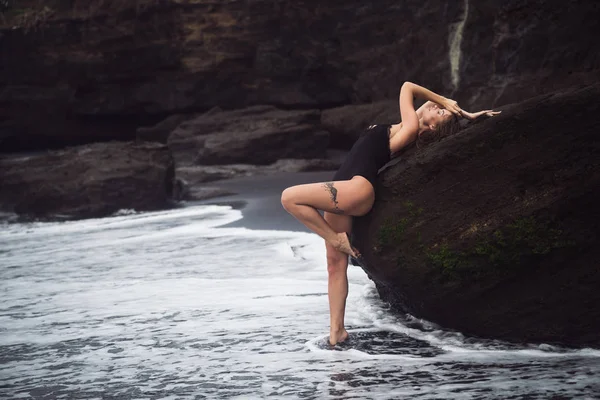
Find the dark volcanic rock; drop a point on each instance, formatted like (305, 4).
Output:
(87, 181)
(254, 135)
(517, 49)
(185, 191)
(161, 131)
(302, 165)
(199, 174)
(98, 70)
(494, 232)
(192, 179)
(346, 123)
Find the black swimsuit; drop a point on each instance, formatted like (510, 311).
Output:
(368, 154)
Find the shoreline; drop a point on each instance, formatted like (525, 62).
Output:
(259, 199)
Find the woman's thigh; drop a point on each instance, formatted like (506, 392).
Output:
(353, 197)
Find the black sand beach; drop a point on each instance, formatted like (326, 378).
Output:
(258, 198)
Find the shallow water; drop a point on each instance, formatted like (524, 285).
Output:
(170, 305)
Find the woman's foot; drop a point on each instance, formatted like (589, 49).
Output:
(336, 337)
(342, 244)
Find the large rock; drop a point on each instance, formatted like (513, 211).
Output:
(98, 70)
(87, 181)
(161, 131)
(494, 232)
(192, 180)
(346, 123)
(196, 175)
(254, 135)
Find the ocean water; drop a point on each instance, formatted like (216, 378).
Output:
(172, 305)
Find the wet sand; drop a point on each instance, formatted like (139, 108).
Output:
(259, 199)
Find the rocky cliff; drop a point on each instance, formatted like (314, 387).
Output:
(87, 181)
(494, 232)
(73, 72)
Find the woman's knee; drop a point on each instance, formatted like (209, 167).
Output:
(337, 263)
(287, 198)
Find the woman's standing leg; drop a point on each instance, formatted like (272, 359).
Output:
(337, 272)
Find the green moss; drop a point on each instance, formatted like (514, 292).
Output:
(419, 238)
(523, 237)
(539, 237)
(400, 261)
(411, 209)
(392, 230)
(512, 246)
(448, 260)
(503, 250)
(408, 204)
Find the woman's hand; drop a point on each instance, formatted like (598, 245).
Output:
(451, 106)
(427, 95)
(472, 116)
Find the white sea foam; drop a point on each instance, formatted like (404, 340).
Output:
(170, 305)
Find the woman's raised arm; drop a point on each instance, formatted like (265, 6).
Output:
(410, 120)
(426, 94)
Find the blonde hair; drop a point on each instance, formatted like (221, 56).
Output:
(446, 128)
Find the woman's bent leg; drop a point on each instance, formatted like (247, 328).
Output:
(352, 197)
(337, 272)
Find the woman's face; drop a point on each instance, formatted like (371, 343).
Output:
(434, 115)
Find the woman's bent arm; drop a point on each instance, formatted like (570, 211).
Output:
(423, 93)
(426, 94)
(410, 120)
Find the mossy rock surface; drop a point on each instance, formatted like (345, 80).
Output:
(494, 232)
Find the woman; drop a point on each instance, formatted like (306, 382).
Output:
(351, 193)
